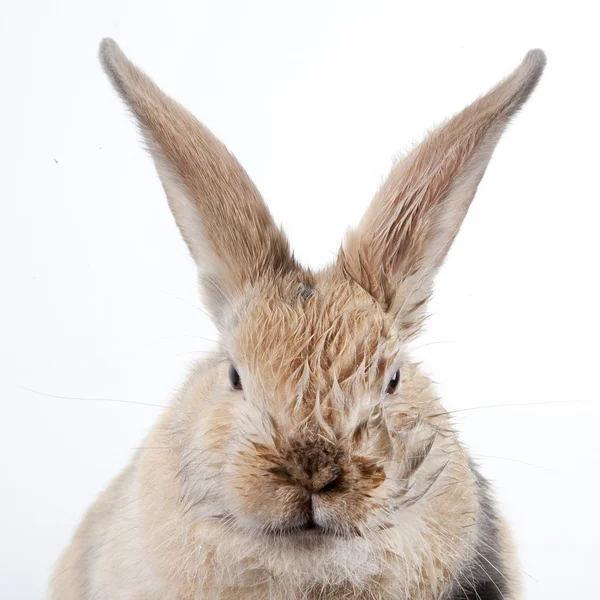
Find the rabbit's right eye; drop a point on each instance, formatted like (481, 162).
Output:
(393, 383)
(234, 378)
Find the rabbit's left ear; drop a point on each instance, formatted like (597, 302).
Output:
(222, 217)
(406, 232)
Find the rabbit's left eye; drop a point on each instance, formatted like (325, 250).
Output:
(234, 378)
(393, 383)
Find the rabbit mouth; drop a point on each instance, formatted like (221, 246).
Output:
(309, 528)
(305, 528)
(312, 526)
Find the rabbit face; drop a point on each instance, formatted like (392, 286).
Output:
(330, 433)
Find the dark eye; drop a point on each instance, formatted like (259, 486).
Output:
(393, 383)
(234, 378)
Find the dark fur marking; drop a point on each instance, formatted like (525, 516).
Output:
(305, 291)
(482, 591)
(482, 579)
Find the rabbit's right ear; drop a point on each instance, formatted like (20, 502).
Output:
(222, 217)
(402, 239)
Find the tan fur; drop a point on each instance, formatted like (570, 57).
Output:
(208, 507)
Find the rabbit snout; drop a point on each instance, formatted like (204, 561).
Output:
(312, 467)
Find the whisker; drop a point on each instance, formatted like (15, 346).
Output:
(186, 336)
(196, 352)
(180, 300)
(94, 399)
(419, 347)
(459, 410)
(516, 460)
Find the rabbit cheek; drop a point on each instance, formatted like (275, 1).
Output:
(262, 499)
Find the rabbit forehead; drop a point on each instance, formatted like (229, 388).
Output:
(293, 337)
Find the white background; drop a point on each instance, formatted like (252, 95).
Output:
(98, 292)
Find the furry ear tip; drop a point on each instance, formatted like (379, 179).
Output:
(525, 78)
(533, 65)
(536, 60)
(117, 67)
(536, 56)
(108, 51)
(112, 59)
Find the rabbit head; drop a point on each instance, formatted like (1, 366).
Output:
(313, 421)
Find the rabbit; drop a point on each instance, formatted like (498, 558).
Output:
(309, 457)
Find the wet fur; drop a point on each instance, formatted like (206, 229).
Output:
(214, 504)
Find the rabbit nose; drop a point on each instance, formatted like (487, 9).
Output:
(325, 480)
(312, 469)
(311, 483)
(317, 470)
